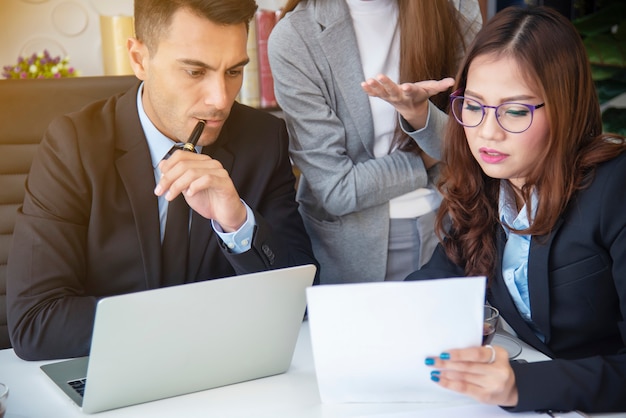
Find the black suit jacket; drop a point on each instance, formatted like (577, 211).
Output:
(89, 225)
(577, 286)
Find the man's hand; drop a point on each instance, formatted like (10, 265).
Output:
(206, 186)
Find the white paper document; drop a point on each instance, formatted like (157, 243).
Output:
(370, 340)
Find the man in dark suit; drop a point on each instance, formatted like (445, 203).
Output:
(94, 216)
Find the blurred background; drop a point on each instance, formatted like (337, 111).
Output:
(65, 28)
(84, 30)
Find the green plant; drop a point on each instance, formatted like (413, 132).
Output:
(604, 36)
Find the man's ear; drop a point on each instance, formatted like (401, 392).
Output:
(138, 56)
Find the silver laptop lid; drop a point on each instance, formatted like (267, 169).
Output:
(176, 340)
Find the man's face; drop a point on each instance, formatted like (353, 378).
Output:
(194, 74)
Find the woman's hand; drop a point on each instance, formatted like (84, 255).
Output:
(409, 99)
(483, 373)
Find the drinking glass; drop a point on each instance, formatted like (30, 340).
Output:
(4, 394)
(491, 318)
(490, 325)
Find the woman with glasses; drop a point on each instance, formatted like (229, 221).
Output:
(534, 198)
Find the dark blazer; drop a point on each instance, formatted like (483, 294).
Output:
(89, 225)
(577, 285)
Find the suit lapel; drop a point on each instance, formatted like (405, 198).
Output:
(134, 167)
(336, 37)
(538, 280)
(505, 304)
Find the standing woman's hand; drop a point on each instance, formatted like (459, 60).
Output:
(409, 99)
(483, 373)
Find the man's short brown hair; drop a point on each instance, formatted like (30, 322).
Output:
(153, 17)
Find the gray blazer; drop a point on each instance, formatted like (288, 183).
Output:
(344, 191)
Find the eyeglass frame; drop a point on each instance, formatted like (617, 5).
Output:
(531, 108)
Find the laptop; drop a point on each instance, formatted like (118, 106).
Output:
(176, 340)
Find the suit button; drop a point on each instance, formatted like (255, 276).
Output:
(268, 253)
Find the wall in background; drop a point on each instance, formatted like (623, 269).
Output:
(63, 27)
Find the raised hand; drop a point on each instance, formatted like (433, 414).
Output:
(409, 99)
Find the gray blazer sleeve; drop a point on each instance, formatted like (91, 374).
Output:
(326, 126)
(341, 173)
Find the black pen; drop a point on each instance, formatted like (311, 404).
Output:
(557, 414)
(190, 145)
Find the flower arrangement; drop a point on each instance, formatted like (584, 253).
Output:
(40, 65)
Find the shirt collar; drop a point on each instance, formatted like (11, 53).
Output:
(507, 208)
(371, 6)
(158, 143)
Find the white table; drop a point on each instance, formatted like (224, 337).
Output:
(290, 395)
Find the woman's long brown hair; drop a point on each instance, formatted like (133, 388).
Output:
(549, 51)
(431, 42)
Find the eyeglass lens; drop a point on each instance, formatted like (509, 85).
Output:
(512, 117)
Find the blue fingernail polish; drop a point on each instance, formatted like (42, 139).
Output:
(429, 361)
(435, 373)
(444, 356)
(434, 378)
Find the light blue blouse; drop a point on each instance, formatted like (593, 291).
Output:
(516, 250)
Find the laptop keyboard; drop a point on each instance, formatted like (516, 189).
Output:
(78, 385)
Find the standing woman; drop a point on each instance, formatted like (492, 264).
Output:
(535, 197)
(363, 131)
